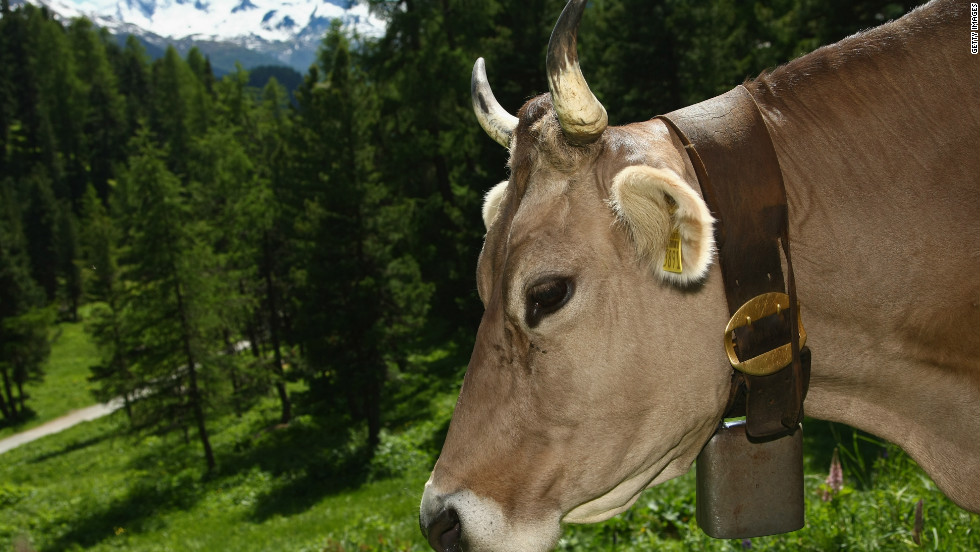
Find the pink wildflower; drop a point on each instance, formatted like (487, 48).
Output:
(835, 479)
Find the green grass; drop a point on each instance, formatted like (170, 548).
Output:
(309, 487)
(94, 487)
(306, 487)
(874, 511)
(65, 386)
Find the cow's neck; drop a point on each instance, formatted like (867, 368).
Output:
(870, 132)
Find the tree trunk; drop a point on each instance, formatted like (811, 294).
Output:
(11, 406)
(250, 326)
(202, 429)
(3, 407)
(236, 384)
(280, 372)
(287, 409)
(195, 395)
(372, 409)
(20, 394)
(128, 405)
(253, 339)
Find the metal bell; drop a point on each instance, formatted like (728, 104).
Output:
(750, 489)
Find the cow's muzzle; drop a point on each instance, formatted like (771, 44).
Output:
(443, 531)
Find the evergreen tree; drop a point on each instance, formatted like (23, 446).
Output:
(6, 86)
(99, 245)
(23, 319)
(631, 51)
(201, 67)
(68, 256)
(287, 77)
(101, 116)
(170, 297)
(273, 125)
(356, 275)
(238, 176)
(229, 195)
(30, 137)
(62, 99)
(25, 347)
(40, 223)
(179, 109)
(236, 100)
(133, 78)
(428, 144)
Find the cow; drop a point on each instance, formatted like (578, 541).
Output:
(596, 373)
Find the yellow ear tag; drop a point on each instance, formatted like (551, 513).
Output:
(672, 259)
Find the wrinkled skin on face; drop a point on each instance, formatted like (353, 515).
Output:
(585, 386)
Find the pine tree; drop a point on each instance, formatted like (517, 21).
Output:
(428, 145)
(62, 98)
(180, 108)
(114, 377)
(98, 244)
(170, 303)
(23, 320)
(227, 192)
(6, 86)
(30, 140)
(133, 77)
(68, 255)
(40, 224)
(236, 195)
(201, 67)
(272, 129)
(25, 347)
(101, 115)
(354, 270)
(630, 50)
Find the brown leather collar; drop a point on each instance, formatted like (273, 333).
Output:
(736, 164)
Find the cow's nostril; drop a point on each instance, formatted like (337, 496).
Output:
(444, 532)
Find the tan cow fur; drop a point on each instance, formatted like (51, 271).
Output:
(620, 388)
(882, 174)
(491, 203)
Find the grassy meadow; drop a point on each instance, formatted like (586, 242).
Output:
(307, 487)
(65, 386)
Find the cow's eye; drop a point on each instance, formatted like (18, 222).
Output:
(547, 297)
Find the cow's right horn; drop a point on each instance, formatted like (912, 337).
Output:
(493, 118)
(581, 115)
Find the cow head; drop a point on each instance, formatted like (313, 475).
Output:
(596, 373)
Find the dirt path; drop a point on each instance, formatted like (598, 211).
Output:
(77, 416)
(58, 424)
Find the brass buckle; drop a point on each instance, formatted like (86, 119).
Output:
(757, 308)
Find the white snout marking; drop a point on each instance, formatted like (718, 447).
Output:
(484, 526)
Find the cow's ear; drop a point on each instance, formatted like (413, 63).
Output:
(669, 223)
(491, 203)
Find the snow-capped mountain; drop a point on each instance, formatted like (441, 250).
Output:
(287, 31)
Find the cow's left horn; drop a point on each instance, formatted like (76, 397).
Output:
(493, 118)
(581, 115)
